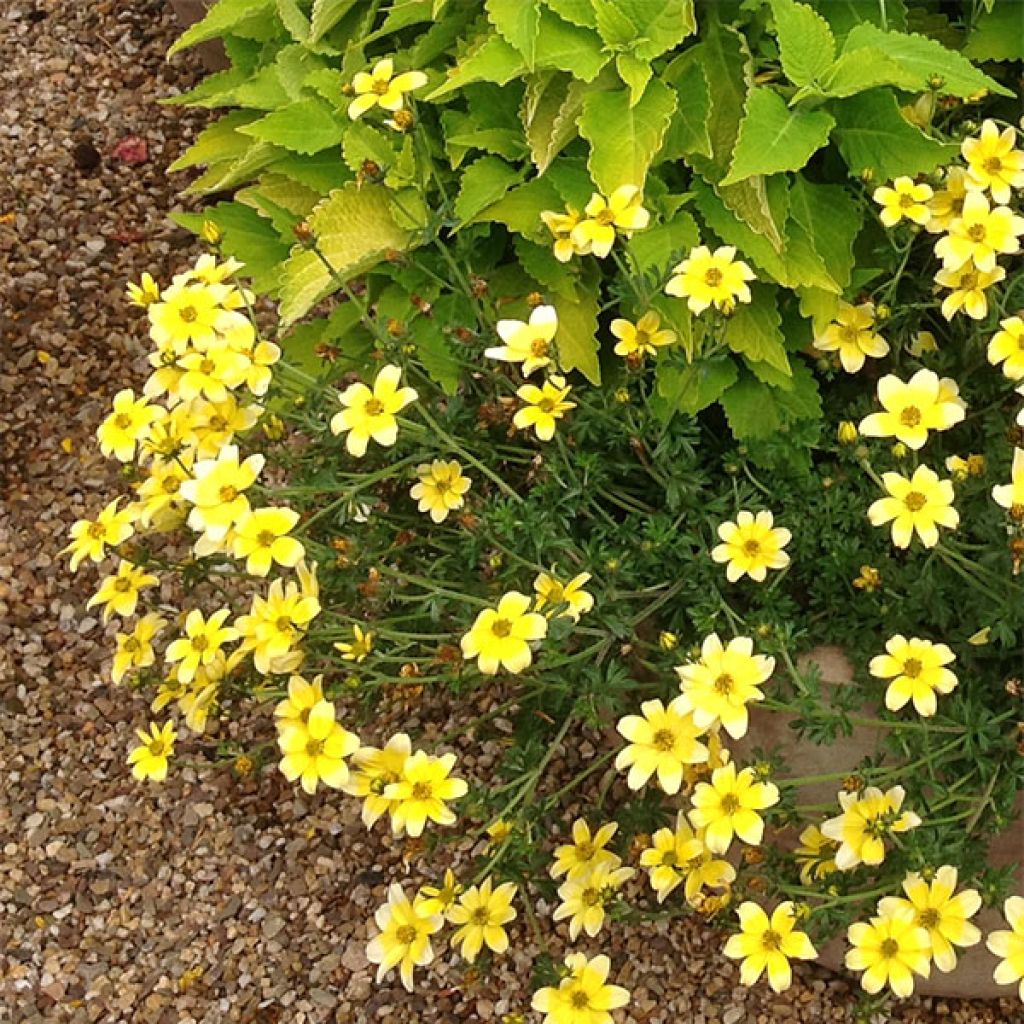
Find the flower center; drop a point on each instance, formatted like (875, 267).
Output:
(228, 492)
(422, 791)
(590, 897)
(642, 339)
(663, 739)
(200, 643)
(539, 348)
(314, 748)
(266, 539)
(123, 585)
(283, 623)
(915, 501)
(585, 851)
(122, 421)
(207, 366)
(993, 165)
(373, 407)
(156, 748)
(442, 486)
(929, 918)
(724, 683)
(848, 334)
(968, 281)
(912, 668)
(606, 216)
(501, 628)
(131, 644)
(218, 423)
(911, 416)
(713, 277)
(907, 201)
(406, 934)
(771, 939)
(976, 232)
(189, 314)
(548, 404)
(171, 484)
(579, 1000)
(381, 86)
(669, 858)
(97, 530)
(889, 948)
(480, 916)
(730, 803)
(752, 547)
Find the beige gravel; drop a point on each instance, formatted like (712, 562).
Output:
(212, 898)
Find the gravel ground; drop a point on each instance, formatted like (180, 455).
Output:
(211, 898)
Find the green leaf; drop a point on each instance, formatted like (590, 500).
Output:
(518, 21)
(752, 409)
(227, 174)
(714, 378)
(327, 14)
(568, 47)
(572, 179)
(237, 16)
(843, 15)
(864, 69)
(635, 73)
(220, 141)
(925, 58)
(874, 136)
(306, 127)
(774, 138)
(551, 103)
(687, 134)
(293, 19)
(354, 229)
(283, 201)
(648, 28)
(997, 34)
(577, 334)
(806, 42)
(488, 59)
(831, 219)
(578, 12)
(483, 183)
(435, 353)
(656, 248)
(753, 330)
(803, 400)
(540, 263)
(521, 208)
(624, 139)
(321, 172)
(363, 142)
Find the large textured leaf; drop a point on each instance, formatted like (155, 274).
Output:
(551, 104)
(831, 219)
(354, 228)
(518, 22)
(307, 127)
(864, 69)
(220, 141)
(774, 138)
(648, 28)
(294, 19)
(488, 59)
(998, 34)
(655, 248)
(577, 12)
(483, 183)
(843, 15)
(236, 16)
(577, 334)
(520, 210)
(327, 14)
(568, 47)
(754, 331)
(435, 353)
(623, 139)
(805, 41)
(687, 134)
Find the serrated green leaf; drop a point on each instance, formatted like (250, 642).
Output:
(237, 16)
(521, 208)
(284, 201)
(568, 47)
(322, 171)
(294, 20)
(518, 22)
(647, 27)
(803, 400)
(806, 42)
(753, 330)
(488, 59)
(572, 179)
(307, 126)
(363, 142)
(540, 263)
(864, 69)
(773, 138)
(656, 248)
(576, 337)
(832, 219)
(229, 173)
(997, 34)
(435, 353)
(551, 103)
(220, 141)
(818, 306)
(577, 12)
(752, 409)
(635, 73)
(624, 139)
(326, 14)
(843, 15)
(483, 183)
(687, 134)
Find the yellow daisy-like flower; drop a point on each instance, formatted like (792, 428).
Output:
(1009, 946)
(529, 343)
(481, 915)
(586, 850)
(421, 793)
(867, 818)
(303, 696)
(623, 210)
(546, 405)
(360, 646)
(980, 234)
(993, 162)
(583, 996)
(918, 672)
(1011, 496)
(643, 338)
(718, 687)
(126, 426)
(728, 806)
(943, 912)
(90, 538)
(968, 285)
(135, 649)
(441, 488)
(119, 593)
(670, 852)
(904, 200)
(217, 491)
(501, 637)
(767, 944)
(921, 504)
(382, 88)
(661, 740)
(890, 950)
(948, 203)
(852, 335)
(372, 770)
(912, 408)
(261, 538)
(815, 855)
(275, 625)
(371, 414)
(585, 895)
(751, 546)
(708, 278)
(439, 899)
(1007, 347)
(405, 927)
(551, 592)
(315, 749)
(149, 758)
(145, 293)
(201, 643)
(561, 226)
(211, 374)
(188, 314)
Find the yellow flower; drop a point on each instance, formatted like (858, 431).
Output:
(918, 668)
(1009, 946)
(904, 200)
(481, 914)
(216, 491)
(993, 163)
(815, 855)
(561, 226)
(869, 580)
(302, 697)
(189, 313)
(948, 203)
(1007, 347)
(382, 88)
(261, 539)
(497, 832)
(420, 794)
(315, 749)
(145, 293)
(923, 343)
(583, 995)
(135, 649)
(623, 210)
(275, 624)
(943, 915)
(441, 488)
(711, 279)
(211, 374)
(980, 234)
(968, 286)
(768, 944)
(921, 504)
(852, 335)
(642, 338)
(160, 502)
(149, 759)
(201, 643)
(261, 356)
(661, 740)
(373, 770)
(528, 343)
(728, 805)
(866, 819)
(91, 537)
(585, 851)
(1011, 496)
(501, 637)
(359, 648)
(666, 859)
(551, 593)
(751, 546)
(403, 941)
(718, 687)
(890, 951)
(545, 406)
(125, 427)
(439, 899)
(911, 409)
(119, 593)
(585, 894)
(371, 414)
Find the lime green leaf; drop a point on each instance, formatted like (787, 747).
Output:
(354, 228)
(572, 179)
(864, 69)
(658, 247)
(874, 136)
(714, 378)
(648, 27)
(624, 139)
(998, 34)
(576, 337)
(751, 408)
(435, 353)
(754, 330)
(520, 210)
(843, 15)
(805, 41)
(488, 59)
(283, 201)
(540, 263)
(577, 12)
(327, 14)
(363, 142)
(818, 306)
(228, 173)
(635, 73)
(294, 20)
(568, 47)
(802, 401)
(687, 134)
(236, 16)
(483, 183)
(831, 219)
(307, 126)
(774, 138)
(221, 141)
(322, 171)
(518, 22)
(551, 103)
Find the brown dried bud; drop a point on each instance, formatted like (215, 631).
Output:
(1013, 687)
(403, 120)
(420, 303)
(478, 286)
(635, 360)
(396, 328)
(328, 353)
(464, 334)
(449, 654)
(410, 670)
(303, 232)
(853, 784)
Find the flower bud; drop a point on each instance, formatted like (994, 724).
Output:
(210, 233)
(847, 432)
